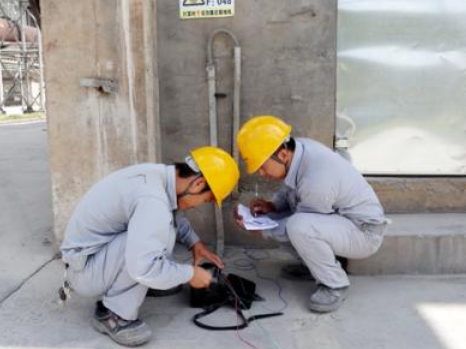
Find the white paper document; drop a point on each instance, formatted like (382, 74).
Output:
(255, 223)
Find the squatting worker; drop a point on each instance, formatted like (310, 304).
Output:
(327, 207)
(119, 241)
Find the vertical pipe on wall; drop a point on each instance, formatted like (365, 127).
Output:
(236, 104)
(152, 90)
(1, 84)
(130, 75)
(213, 122)
(220, 230)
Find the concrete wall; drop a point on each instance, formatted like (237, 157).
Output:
(92, 133)
(288, 58)
(289, 62)
(288, 50)
(288, 70)
(416, 195)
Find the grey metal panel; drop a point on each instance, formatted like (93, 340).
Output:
(401, 85)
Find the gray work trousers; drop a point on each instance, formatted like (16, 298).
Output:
(104, 274)
(318, 238)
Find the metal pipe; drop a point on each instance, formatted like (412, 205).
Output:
(212, 105)
(213, 122)
(10, 32)
(21, 83)
(236, 105)
(24, 58)
(211, 39)
(1, 85)
(41, 64)
(41, 73)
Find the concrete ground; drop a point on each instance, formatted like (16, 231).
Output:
(25, 204)
(399, 312)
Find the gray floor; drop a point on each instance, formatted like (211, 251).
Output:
(26, 239)
(381, 312)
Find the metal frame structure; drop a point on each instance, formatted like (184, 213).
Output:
(21, 66)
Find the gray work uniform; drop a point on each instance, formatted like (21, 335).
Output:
(120, 238)
(329, 209)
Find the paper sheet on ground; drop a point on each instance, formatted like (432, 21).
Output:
(255, 223)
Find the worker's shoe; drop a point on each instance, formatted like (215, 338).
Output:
(151, 292)
(296, 272)
(326, 299)
(300, 272)
(130, 333)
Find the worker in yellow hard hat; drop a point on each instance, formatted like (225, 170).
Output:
(119, 240)
(258, 141)
(325, 207)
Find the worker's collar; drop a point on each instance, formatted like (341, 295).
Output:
(170, 187)
(291, 176)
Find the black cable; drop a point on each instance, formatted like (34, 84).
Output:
(249, 263)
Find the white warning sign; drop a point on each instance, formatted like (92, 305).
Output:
(206, 8)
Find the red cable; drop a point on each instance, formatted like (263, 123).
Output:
(237, 325)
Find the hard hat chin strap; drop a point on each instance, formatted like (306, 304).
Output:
(193, 166)
(186, 191)
(276, 158)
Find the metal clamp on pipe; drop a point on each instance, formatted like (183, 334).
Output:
(102, 85)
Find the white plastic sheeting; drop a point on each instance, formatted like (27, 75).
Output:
(401, 86)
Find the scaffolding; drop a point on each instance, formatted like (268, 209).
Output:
(21, 68)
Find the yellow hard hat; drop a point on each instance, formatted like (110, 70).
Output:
(259, 138)
(219, 170)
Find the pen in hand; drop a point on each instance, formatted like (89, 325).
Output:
(256, 195)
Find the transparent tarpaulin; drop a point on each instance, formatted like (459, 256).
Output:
(401, 86)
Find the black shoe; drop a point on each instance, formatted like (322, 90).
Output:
(130, 333)
(343, 262)
(151, 292)
(300, 272)
(296, 272)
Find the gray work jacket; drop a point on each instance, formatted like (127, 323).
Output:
(321, 181)
(139, 200)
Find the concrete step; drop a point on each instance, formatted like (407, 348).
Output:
(432, 243)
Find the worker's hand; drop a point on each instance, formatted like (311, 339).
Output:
(238, 218)
(202, 253)
(261, 206)
(239, 221)
(201, 278)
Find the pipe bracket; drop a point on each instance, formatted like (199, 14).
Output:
(103, 85)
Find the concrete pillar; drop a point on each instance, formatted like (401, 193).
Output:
(92, 133)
